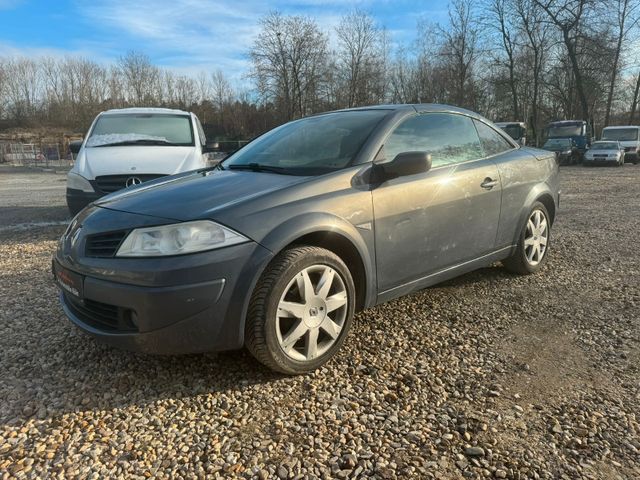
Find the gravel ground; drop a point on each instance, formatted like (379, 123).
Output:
(490, 375)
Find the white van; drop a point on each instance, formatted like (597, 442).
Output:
(629, 138)
(126, 147)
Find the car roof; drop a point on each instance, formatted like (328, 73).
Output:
(145, 110)
(620, 126)
(569, 122)
(415, 107)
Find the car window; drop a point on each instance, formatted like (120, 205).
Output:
(492, 142)
(449, 138)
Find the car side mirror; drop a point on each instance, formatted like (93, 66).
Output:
(75, 146)
(406, 163)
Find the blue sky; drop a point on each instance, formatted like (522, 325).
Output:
(184, 35)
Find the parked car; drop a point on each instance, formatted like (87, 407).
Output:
(280, 244)
(605, 153)
(130, 146)
(516, 130)
(565, 150)
(578, 131)
(629, 138)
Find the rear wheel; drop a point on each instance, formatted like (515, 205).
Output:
(301, 310)
(533, 243)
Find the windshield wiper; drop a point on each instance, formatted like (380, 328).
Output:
(141, 141)
(257, 167)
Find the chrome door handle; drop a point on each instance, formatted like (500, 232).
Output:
(489, 183)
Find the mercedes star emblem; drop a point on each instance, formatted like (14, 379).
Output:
(131, 181)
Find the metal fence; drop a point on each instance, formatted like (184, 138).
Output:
(35, 154)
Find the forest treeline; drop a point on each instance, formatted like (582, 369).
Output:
(525, 60)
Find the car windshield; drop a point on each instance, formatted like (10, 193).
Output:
(570, 130)
(558, 143)
(620, 134)
(141, 129)
(605, 146)
(311, 146)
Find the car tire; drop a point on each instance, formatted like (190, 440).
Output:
(307, 336)
(525, 260)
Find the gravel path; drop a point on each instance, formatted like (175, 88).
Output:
(487, 376)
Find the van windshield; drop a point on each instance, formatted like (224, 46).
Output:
(620, 134)
(141, 129)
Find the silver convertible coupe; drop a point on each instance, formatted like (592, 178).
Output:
(276, 248)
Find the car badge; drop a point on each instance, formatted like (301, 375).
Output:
(133, 181)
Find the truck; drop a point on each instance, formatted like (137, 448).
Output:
(578, 131)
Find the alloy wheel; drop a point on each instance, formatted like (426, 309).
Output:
(536, 237)
(311, 313)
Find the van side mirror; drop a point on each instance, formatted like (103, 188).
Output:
(211, 148)
(406, 163)
(75, 146)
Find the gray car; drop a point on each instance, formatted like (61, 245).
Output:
(276, 248)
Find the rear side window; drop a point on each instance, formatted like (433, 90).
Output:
(449, 138)
(492, 142)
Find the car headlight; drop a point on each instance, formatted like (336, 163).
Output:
(568, 152)
(178, 239)
(78, 182)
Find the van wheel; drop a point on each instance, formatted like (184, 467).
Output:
(533, 244)
(301, 310)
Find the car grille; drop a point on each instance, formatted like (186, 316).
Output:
(113, 183)
(101, 315)
(104, 245)
(602, 155)
(629, 149)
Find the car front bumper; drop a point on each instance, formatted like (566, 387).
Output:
(158, 316)
(601, 161)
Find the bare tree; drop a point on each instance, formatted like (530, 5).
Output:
(566, 16)
(502, 20)
(460, 48)
(626, 18)
(359, 57)
(141, 78)
(289, 58)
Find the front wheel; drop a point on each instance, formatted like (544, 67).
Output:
(533, 243)
(300, 310)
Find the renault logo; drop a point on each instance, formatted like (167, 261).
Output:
(132, 181)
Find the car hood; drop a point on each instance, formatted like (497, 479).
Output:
(137, 159)
(198, 194)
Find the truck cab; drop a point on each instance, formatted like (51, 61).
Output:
(578, 131)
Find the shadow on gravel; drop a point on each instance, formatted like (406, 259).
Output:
(24, 216)
(74, 372)
(483, 275)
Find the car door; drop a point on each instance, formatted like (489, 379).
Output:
(448, 215)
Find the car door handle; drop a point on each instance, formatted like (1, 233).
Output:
(489, 183)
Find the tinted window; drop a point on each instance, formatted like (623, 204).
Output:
(492, 142)
(449, 138)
